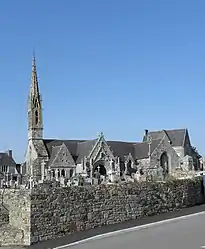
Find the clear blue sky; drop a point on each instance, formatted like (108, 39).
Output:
(117, 66)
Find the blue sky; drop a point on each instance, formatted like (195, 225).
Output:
(117, 66)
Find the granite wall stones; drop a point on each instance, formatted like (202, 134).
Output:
(59, 211)
(4, 215)
(173, 158)
(51, 212)
(16, 230)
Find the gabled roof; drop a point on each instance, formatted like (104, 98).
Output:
(176, 136)
(81, 148)
(61, 156)
(54, 153)
(70, 144)
(121, 149)
(5, 159)
(142, 149)
(84, 148)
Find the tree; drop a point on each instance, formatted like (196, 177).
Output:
(195, 151)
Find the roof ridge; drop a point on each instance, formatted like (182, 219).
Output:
(154, 139)
(85, 141)
(176, 129)
(119, 141)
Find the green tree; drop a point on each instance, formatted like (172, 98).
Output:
(194, 149)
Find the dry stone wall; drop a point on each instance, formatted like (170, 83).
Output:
(60, 211)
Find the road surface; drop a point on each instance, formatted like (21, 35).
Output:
(188, 233)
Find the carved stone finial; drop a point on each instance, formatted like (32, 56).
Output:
(101, 135)
(149, 139)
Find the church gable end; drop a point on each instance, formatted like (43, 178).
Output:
(187, 145)
(62, 157)
(101, 149)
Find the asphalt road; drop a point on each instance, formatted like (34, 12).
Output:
(188, 233)
(106, 229)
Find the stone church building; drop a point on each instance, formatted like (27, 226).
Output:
(166, 149)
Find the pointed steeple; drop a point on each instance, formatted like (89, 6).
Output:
(34, 88)
(35, 119)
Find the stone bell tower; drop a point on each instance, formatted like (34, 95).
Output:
(36, 152)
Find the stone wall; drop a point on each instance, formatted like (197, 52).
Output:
(4, 215)
(15, 229)
(61, 211)
(164, 145)
(48, 212)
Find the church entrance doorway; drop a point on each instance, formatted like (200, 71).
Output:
(99, 167)
(164, 163)
(99, 171)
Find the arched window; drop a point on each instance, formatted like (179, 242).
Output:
(53, 173)
(63, 172)
(71, 172)
(164, 163)
(36, 117)
(35, 102)
(129, 167)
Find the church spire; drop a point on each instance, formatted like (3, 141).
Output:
(34, 89)
(35, 122)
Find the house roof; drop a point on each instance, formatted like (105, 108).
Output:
(5, 159)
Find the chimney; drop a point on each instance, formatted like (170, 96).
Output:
(10, 153)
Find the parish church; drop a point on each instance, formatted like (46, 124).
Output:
(165, 149)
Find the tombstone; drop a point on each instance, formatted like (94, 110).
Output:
(62, 181)
(137, 176)
(111, 176)
(160, 173)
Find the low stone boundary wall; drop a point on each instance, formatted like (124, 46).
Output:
(61, 211)
(48, 213)
(15, 227)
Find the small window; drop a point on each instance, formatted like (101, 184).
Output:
(102, 155)
(36, 117)
(53, 173)
(4, 168)
(71, 172)
(59, 173)
(63, 172)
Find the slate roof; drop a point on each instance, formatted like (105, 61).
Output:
(176, 136)
(121, 149)
(81, 148)
(55, 151)
(142, 149)
(5, 159)
(84, 148)
(70, 144)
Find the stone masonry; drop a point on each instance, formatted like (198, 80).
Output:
(15, 225)
(173, 158)
(48, 213)
(61, 211)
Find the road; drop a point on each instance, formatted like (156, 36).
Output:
(188, 233)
